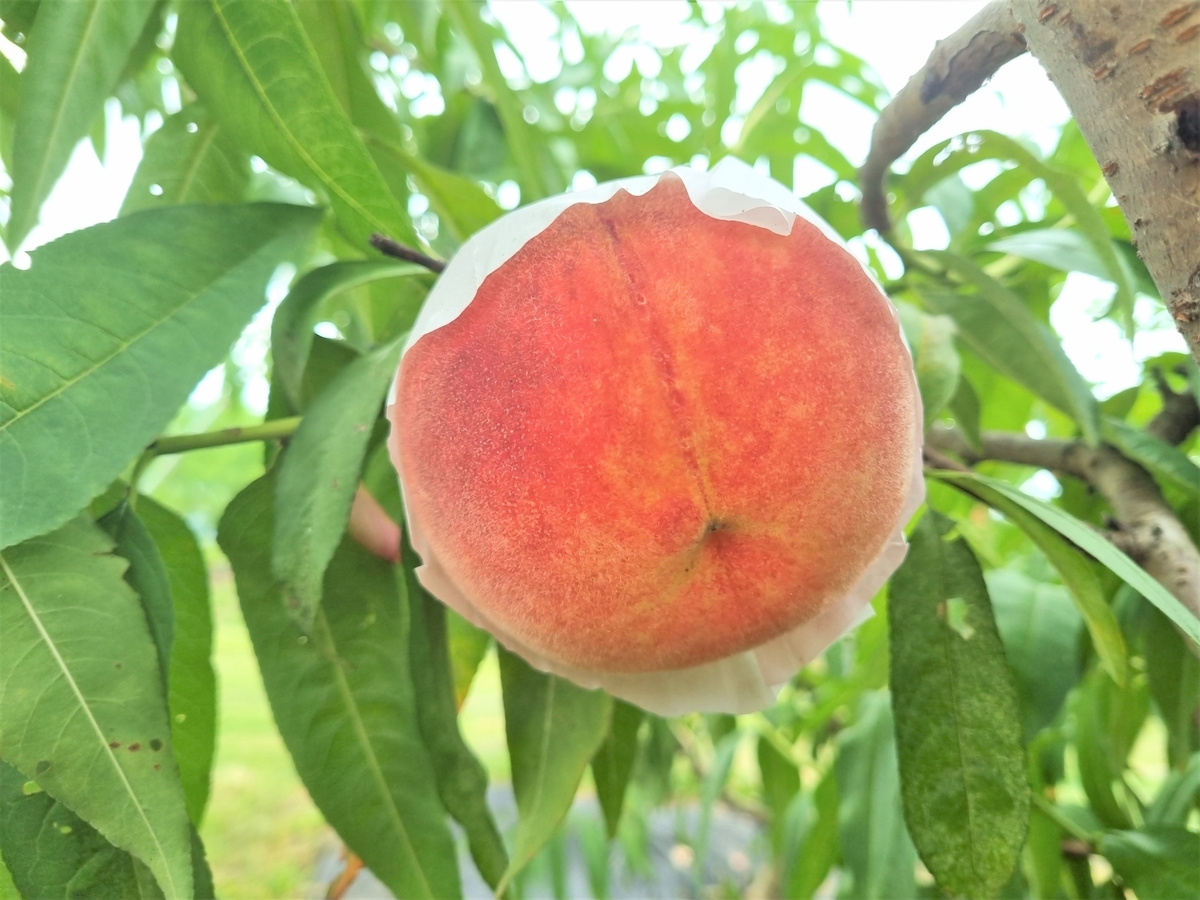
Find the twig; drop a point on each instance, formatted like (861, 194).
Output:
(957, 68)
(182, 443)
(389, 247)
(942, 461)
(1180, 413)
(1149, 530)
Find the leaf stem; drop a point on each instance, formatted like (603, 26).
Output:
(1056, 815)
(182, 443)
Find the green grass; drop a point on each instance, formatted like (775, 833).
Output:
(261, 829)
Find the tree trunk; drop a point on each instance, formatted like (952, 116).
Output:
(1130, 73)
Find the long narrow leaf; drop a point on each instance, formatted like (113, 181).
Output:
(76, 50)
(1074, 569)
(257, 73)
(1087, 539)
(958, 734)
(191, 159)
(320, 473)
(461, 779)
(342, 698)
(292, 325)
(554, 728)
(107, 332)
(1001, 329)
(192, 695)
(82, 709)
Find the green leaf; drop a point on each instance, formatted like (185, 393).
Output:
(461, 779)
(342, 49)
(468, 646)
(1178, 796)
(147, 576)
(1084, 538)
(1160, 861)
(1168, 464)
(954, 201)
(1059, 248)
(538, 176)
(876, 848)
(1074, 569)
(81, 703)
(613, 763)
(958, 735)
(1106, 721)
(257, 73)
(1040, 627)
(10, 89)
(193, 688)
(1044, 856)
(191, 159)
(1000, 328)
(54, 853)
(292, 326)
(780, 785)
(554, 728)
(964, 406)
(950, 156)
(1173, 675)
(76, 53)
(711, 789)
(104, 336)
(319, 475)
(931, 339)
(459, 202)
(810, 843)
(343, 701)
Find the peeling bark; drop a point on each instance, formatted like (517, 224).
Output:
(1130, 72)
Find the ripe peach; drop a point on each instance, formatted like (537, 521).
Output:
(654, 438)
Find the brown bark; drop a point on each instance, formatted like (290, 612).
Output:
(1130, 72)
(957, 68)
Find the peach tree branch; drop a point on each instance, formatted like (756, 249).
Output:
(958, 66)
(1147, 529)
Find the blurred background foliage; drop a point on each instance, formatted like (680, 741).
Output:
(803, 799)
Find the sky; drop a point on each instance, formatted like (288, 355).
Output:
(895, 36)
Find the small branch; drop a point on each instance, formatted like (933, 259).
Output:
(942, 461)
(1148, 529)
(388, 247)
(958, 66)
(182, 443)
(1179, 416)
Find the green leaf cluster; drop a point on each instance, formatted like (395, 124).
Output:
(982, 735)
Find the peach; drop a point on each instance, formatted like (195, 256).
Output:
(655, 438)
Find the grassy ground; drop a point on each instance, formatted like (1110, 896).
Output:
(261, 829)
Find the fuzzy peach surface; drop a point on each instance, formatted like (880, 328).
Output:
(656, 438)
